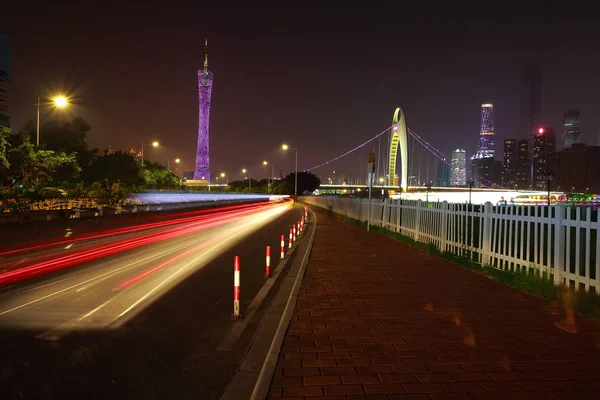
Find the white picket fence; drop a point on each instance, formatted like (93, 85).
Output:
(564, 243)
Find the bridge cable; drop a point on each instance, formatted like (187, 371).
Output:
(348, 152)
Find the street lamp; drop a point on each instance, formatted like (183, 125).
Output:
(153, 144)
(286, 147)
(223, 175)
(249, 178)
(58, 102)
(177, 161)
(470, 183)
(549, 177)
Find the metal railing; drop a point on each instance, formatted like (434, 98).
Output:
(558, 241)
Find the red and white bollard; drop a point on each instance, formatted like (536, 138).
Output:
(282, 246)
(268, 269)
(305, 212)
(294, 229)
(302, 223)
(236, 287)
(299, 230)
(290, 238)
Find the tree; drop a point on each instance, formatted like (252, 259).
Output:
(114, 167)
(29, 164)
(307, 182)
(157, 176)
(4, 146)
(68, 137)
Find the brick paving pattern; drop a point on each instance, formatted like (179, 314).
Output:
(377, 319)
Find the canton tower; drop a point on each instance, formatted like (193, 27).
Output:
(485, 146)
(205, 82)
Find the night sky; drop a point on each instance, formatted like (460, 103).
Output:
(321, 79)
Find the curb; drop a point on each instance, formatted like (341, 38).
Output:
(261, 389)
(252, 378)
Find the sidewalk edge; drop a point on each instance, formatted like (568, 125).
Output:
(267, 371)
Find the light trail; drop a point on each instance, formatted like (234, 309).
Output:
(108, 293)
(194, 225)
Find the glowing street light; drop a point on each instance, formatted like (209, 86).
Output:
(153, 144)
(58, 102)
(286, 147)
(249, 178)
(177, 160)
(223, 175)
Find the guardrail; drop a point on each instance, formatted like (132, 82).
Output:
(559, 241)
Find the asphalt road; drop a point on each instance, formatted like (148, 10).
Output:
(133, 313)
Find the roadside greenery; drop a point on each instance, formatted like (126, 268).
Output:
(64, 166)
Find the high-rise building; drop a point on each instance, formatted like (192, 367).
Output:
(544, 154)
(484, 172)
(531, 101)
(509, 165)
(5, 78)
(571, 119)
(442, 174)
(458, 173)
(485, 146)
(523, 165)
(205, 83)
(578, 169)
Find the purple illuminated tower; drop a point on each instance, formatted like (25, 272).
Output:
(205, 82)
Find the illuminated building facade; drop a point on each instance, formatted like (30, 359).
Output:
(523, 165)
(571, 119)
(458, 173)
(509, 165)
(485, 147)
(205, 83)
(544, 154)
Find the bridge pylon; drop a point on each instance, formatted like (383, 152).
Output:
(398, 138)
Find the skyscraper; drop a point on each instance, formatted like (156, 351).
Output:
(523, 165)
(509, 166)
(442, 173)
(571, 119)
(485, 147)
(5, 78)
(531, 100)
(205, 83)
(458, 174)
(544, 154)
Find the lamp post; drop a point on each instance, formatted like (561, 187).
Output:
(177, 161)
(470, 183)
(549, 177)
(223, 175)
(249, 178)
(427, 189)
(153, 144)
(286, 147)
(59, 102)
(265, 163)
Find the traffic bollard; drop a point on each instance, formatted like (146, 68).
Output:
(294, 230)
(290, 238)
(236, 287)
(268, 270)
(282, 246)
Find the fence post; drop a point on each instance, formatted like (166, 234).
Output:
(486, 239)
(443, 226)
(417, 220)
(386, 214)
(559, 243)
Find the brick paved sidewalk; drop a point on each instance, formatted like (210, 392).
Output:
(377, 319)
